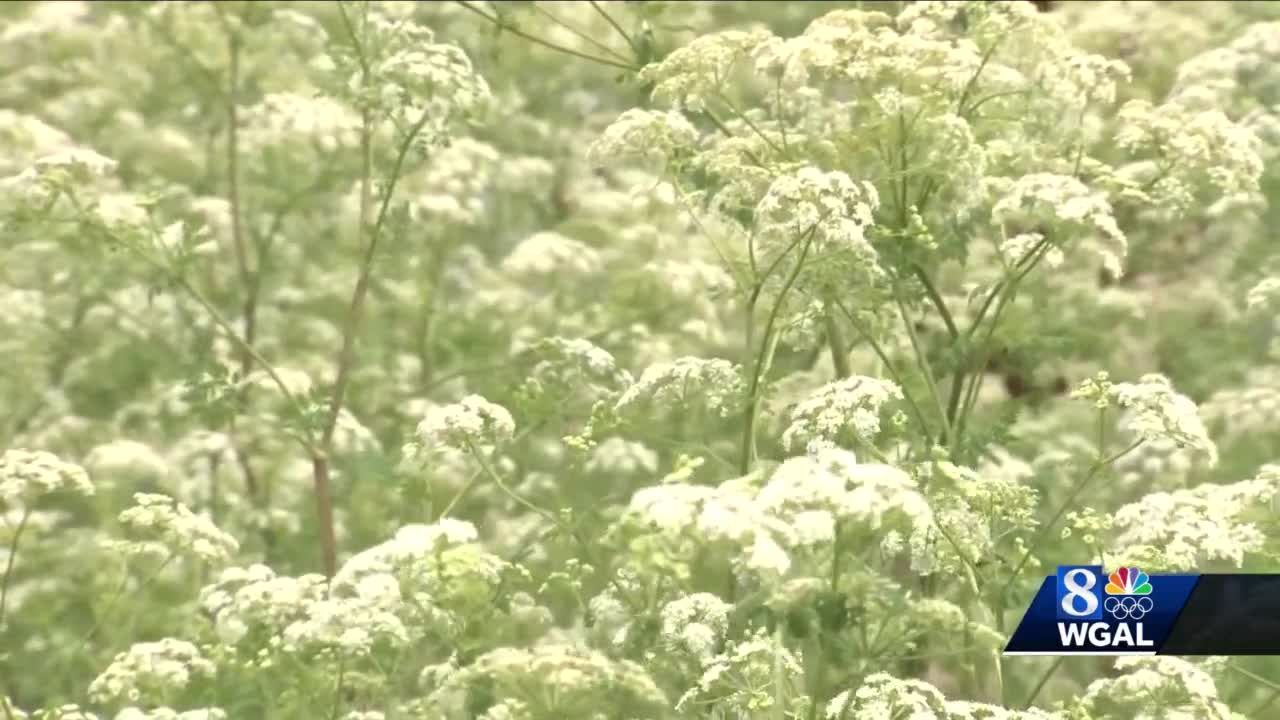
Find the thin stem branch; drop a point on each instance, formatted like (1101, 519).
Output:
(235, 338)
(1044, 679)
(888, 364)
(578, 33)
(498, 23)
(922, 360)
(1096, 469)
(759, 368)
(8, 569)
(346, 357)
(618, 28)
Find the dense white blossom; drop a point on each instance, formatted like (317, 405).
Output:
(243, 600)
(26, 475)
(829, 206)
(1182, 529)
(696, 623)
(158, 524)
(716, 383)
(1070, 205)
(1155, 687)
(647, 133)
(1153, 410)
(832, 480)
(150, 670)
(471, 421)
(552, 254)
(618, 456)
(853, 404)
(693, 74)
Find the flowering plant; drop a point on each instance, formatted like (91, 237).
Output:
(379, 360)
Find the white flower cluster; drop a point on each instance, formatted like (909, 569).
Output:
(1252, 408)
(1154, 687)
(1069, 205)
(1195, 155)
(550, 254)
(289, 120)
(725, 514)
(159, 525)
(817, 490)
(645, 133)
(1154, 410)
(852, 404)
(150, 670)
(690, 75)
(575, 362)
(830, 205)
(1160, 461)
(410, 545)
(79, 164)
(686, 381)
(353, 622)
(554, 680)
(26, 475)
(126, 458)
(798, 507)
(254, 600)
(1181, 530)
(821, 49)
(696, 624)
(884, 696)
(746, 676)
(454, 186)
(618, 456)
(1018, 249)
(428, 78)
(470, 422)
(26, 137)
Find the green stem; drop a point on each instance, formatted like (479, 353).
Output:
(764, 358)
(889, 367)
(1044, 679)
(922, 360)
(836, 342)
(13, 556)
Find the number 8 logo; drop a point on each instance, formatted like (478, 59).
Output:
(1076, 590)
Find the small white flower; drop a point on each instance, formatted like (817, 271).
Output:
(471, 421)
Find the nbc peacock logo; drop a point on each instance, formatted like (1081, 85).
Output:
(1128, 590)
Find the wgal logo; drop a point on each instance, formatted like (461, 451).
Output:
(1081, 599)
(1127, 593)
(1077, 592)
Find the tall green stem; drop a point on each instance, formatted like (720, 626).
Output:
(764, 358)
